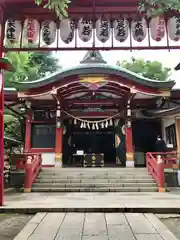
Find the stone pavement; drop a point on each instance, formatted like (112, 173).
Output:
(95, 226)
(92, 202)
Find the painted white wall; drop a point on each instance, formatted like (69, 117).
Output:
(167, 121)
(48, 158)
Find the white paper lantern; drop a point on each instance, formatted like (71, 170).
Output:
(48, 32)
(157, 28)
(139, 29)
(121, 29)
(13, 30)
(103, 30)
(67, 30)
(85, 28)
(173, 26)
(31, 30)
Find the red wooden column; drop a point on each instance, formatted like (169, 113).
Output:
(27, 146)
(129, 139)
(1, 115)
(59, 137)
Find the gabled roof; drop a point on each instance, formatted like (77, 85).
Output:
(96, 68)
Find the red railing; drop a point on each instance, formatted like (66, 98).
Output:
(156, 162)
(31, 163)
(33, 166)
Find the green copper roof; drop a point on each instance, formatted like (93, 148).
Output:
(95, 68)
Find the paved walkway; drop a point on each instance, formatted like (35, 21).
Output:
(152, 202)
(95, 226)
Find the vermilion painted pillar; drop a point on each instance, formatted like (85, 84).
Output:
(27, 146)
(129, 148)
(1, 116)
(129, 140)
(59, 137)
(58, 148)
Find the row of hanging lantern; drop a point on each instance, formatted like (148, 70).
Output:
(94, 125)
(30, 30)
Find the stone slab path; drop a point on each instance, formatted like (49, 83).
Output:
(94, 202)
(95, 226)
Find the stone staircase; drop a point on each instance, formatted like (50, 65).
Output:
(94, 180)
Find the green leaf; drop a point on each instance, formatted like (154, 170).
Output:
(149, 69)
(60, 7)
(158, 7)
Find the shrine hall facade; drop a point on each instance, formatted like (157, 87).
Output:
(96, 110)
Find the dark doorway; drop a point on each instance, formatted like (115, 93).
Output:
(144, 137)
(95, 141)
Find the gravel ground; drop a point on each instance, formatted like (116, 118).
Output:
(12, 224)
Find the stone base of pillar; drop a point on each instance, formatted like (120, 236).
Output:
(130, 159)
(129, 163)
(58, 160)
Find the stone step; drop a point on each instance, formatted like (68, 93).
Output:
(93, 171)
(81, 169)
(62, 180)
(93, 175)
(102, 189)
(94, 185)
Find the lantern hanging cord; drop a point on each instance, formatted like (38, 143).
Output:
(86, 121)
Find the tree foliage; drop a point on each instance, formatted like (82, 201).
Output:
(12, 127)
(46, 62)
(149, 7)
(58, 6)
(149, 69)
(23, 71)
(29, 66)
(158, 7)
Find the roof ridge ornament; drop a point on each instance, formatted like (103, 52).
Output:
(93, 57)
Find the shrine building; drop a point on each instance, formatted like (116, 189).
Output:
(96, 111)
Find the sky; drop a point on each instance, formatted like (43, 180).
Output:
(168, 58)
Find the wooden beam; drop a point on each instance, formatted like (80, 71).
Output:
(93, 102)
(92, 114)
(97, 91)
(77, 87)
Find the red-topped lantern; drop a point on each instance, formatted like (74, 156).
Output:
(157, 28)
(31, 30)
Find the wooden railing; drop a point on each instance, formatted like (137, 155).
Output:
(156, 162)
